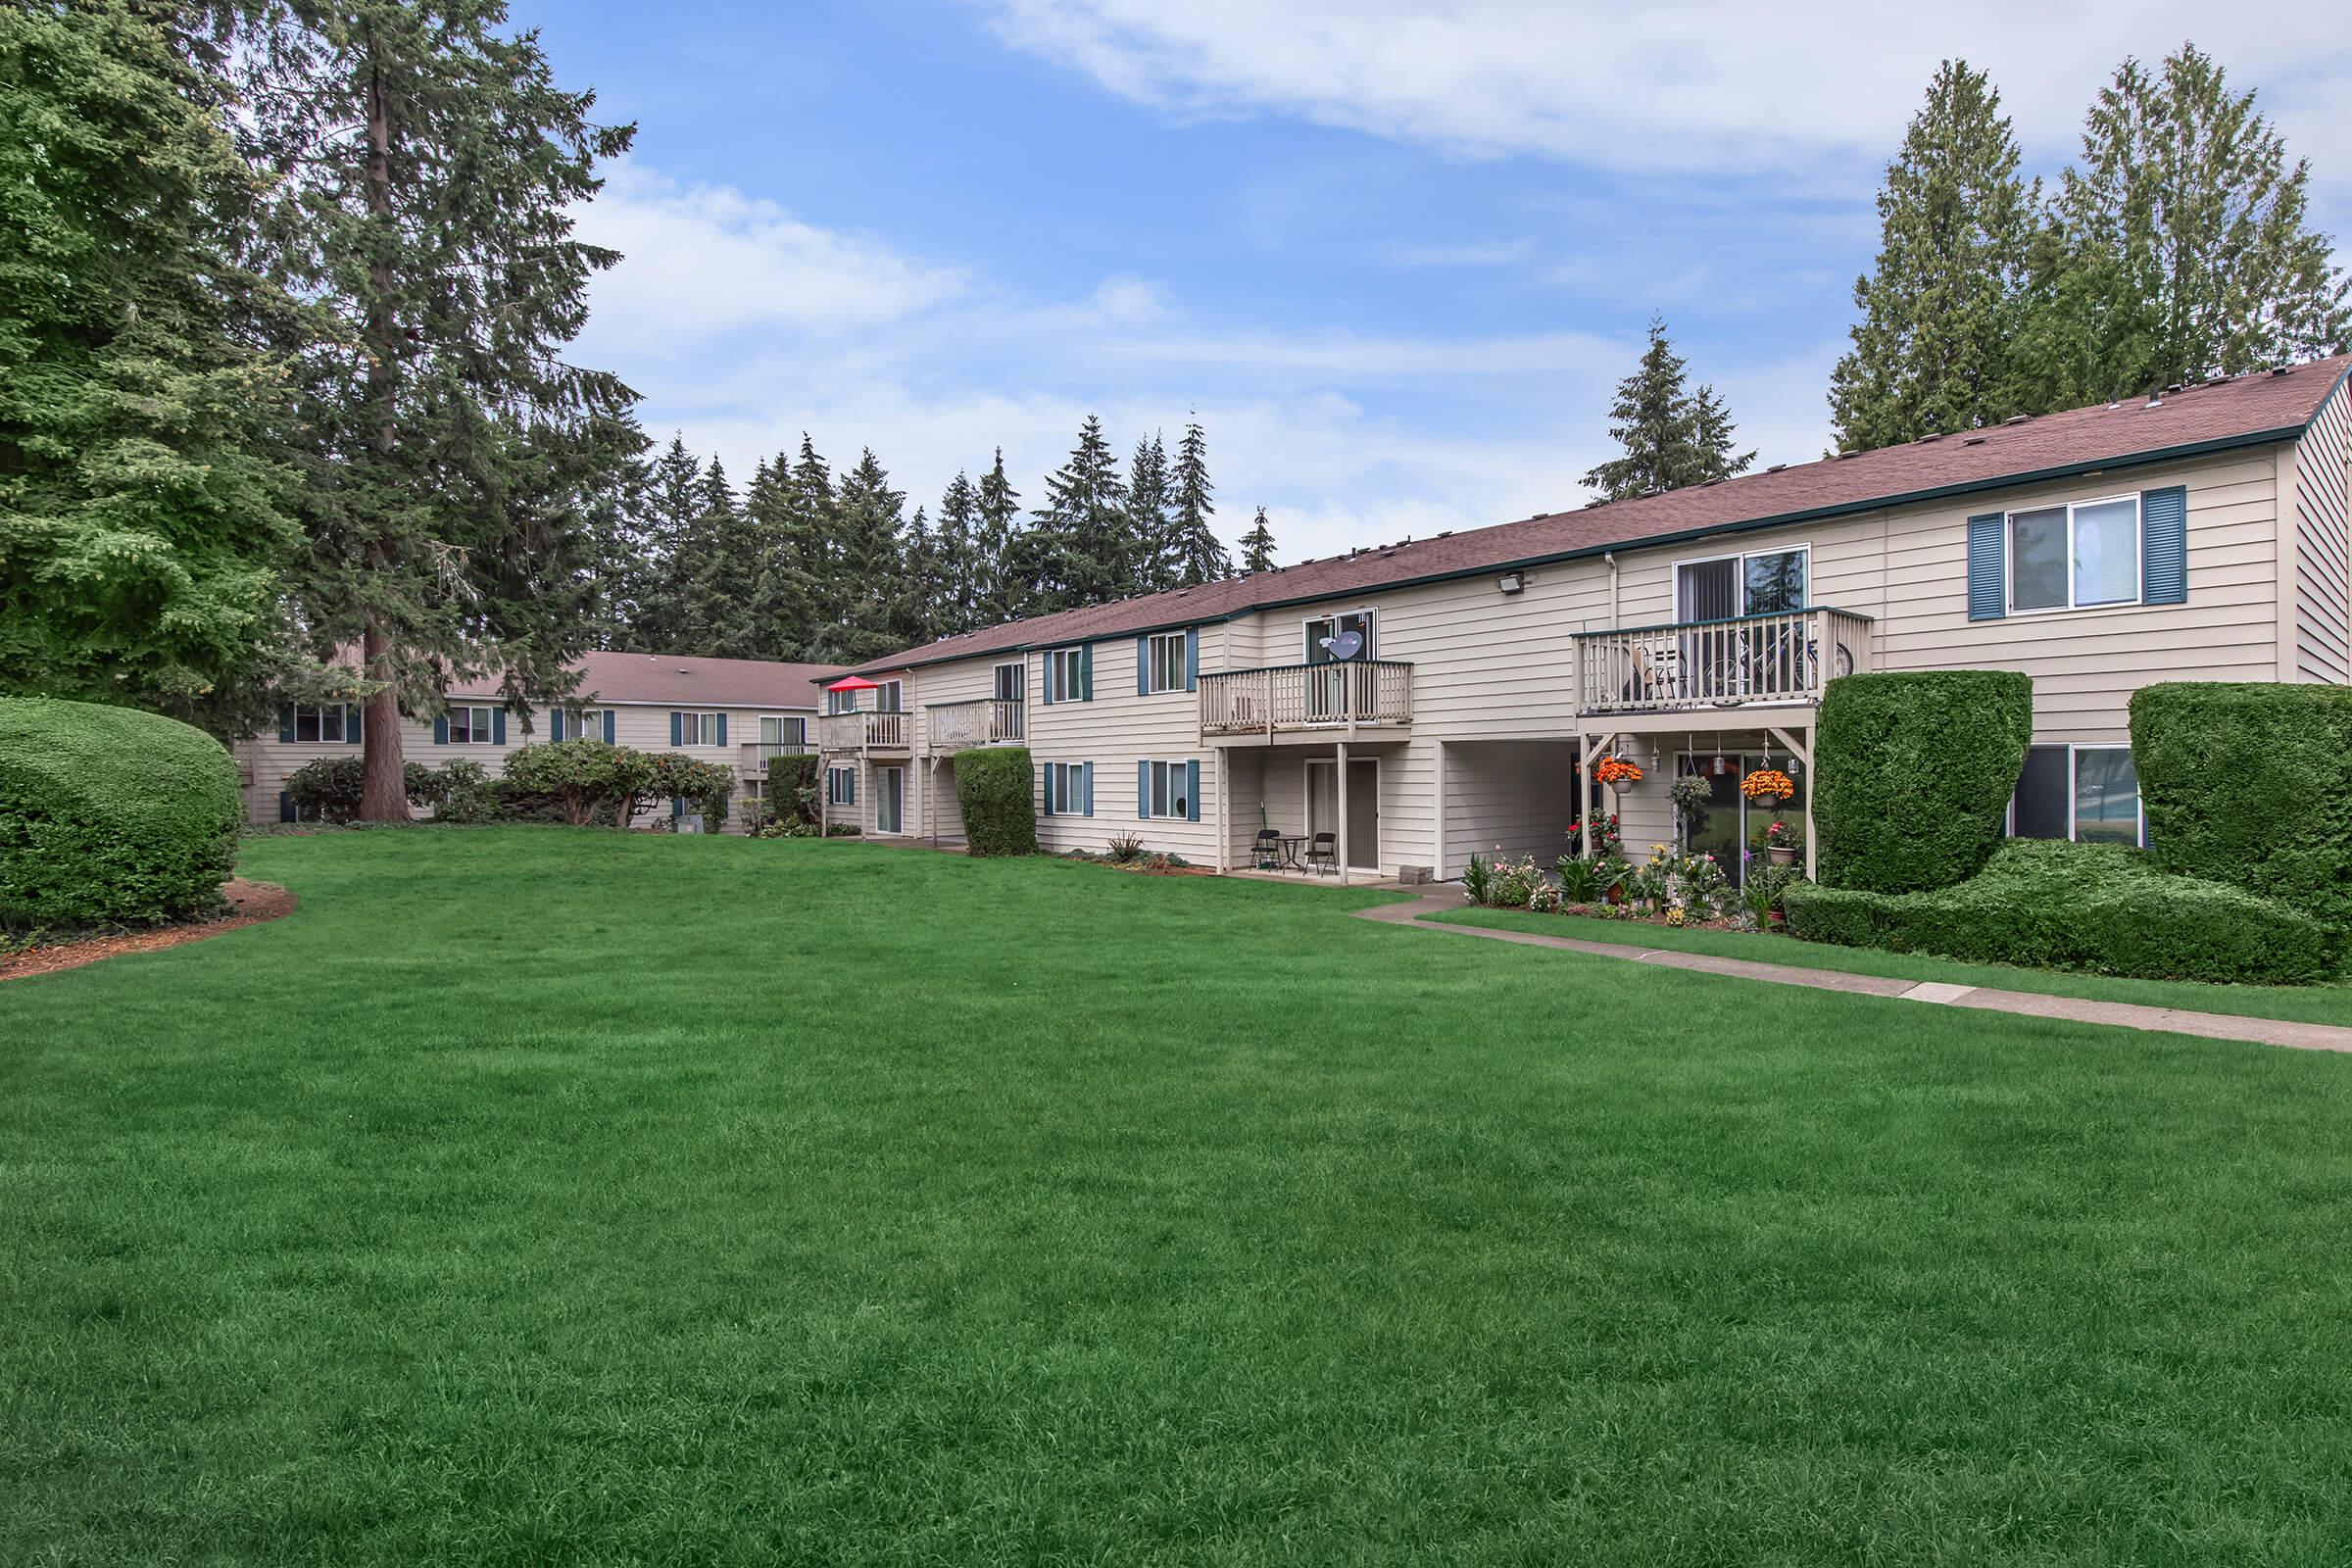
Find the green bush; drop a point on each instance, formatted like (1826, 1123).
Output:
(2046, 903)
(2251, 785)
(706, 787)
(327, 788)
(993, 791)
(792, 786)
(110, 816)
(581, 781)
(1912, 774)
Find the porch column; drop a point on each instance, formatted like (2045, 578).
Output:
(930, 789)
(1584, 790)
(1437, 837)
(1224, 814)
(1343, 792)
(824, 797)
(1812, 783)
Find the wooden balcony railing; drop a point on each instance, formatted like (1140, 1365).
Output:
(981, 722)
(1700, 665)
(861, 732)
(1283, 697)
(757, 755)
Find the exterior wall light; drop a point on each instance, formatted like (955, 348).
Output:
(1510, 582)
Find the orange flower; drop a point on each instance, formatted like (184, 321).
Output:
(1768, 782)
(1612, 770)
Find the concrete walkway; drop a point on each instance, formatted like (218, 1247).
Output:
(2032, 1005)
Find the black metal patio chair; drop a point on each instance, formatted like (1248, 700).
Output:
(1323, 853)
(1265, 853)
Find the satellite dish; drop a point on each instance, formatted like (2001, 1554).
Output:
(1346, 645)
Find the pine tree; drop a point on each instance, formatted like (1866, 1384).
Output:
(2183, 249)
(1934, 350)
(142, 525)
(1258, 545)
(1150, 544)
(673, 503)
(956, 544)
(618, 519)
(998, 591)
(432, 174)
(870, 561)
(1670, 437)
(919, 606)
(1073, 554)
(699, 568)
(810, 545)
(1197, 553)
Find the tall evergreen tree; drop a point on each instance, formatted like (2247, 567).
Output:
(1933, 349)
(1196, 555)
(1074, 551)
(2182, 248)
(956, 542)
(142, 525)
(920, 603)
(1150, 527)
(1670, 437)
(611, 486)
(673, 503)
(811, 548)
(998, 591)
(697, 567)
(1258, 545)
(434, 171)
(870, 561)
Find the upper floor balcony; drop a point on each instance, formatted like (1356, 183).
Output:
(980, 721)
(1339, 698)
(864, 732)
(753, 757)
(1785, 658)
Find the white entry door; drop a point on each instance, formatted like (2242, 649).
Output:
(1363, 806)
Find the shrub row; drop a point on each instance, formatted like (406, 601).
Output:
(994, 792)
(2047, 904)
(110, 816)
(1912, 774)
(2251, 784)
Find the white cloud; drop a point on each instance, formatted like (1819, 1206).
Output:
(1702, 86)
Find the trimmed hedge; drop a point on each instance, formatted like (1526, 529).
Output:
(993, 790)
(110, 816)
(792, 785)
(2046, 903)
(1912, 774)
(2251, 784)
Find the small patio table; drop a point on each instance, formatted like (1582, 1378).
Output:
(1290, 844)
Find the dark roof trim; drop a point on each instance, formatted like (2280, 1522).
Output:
(1843, 508)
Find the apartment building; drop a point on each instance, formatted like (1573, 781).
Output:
(1430, 698)
(740, 712)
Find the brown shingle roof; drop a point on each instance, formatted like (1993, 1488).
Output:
(2263, 405)
(687, 680)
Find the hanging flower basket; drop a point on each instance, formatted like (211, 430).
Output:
(1618, 773)
(1779, 844)
(1768, 787)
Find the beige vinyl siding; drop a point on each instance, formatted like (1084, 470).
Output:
(1115, 731)
(2321, 585)
(1505, 798)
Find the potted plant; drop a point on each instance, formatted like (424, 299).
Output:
(1768, 787)
(1619, 773)
(1780, 843)
(1692, 794)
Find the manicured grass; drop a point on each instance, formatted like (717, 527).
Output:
(539, 1195)
(2329, 1004)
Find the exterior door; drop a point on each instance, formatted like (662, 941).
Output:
(890, 799)
(1363, 806)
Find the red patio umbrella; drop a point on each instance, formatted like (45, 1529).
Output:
(855, 683)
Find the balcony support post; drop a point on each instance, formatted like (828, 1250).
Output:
(1437, 836)
(1343, 794)
(1224, 818)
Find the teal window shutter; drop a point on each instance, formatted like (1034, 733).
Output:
(722, 729)
(677, 728)
(607, 726)
(1192, 790)
(848, 779)
(1191, 657)
(286, 723)
(1086, 677)
(555, 725)
(1142, 789)
(441, 729)
(1085, 785)
(498, 726)
(354, 723)
(677, 807)
(286, 808)
(1143, 665)
(1045, 681)
(2164, 546)
(1044, 790)
(1987, 584)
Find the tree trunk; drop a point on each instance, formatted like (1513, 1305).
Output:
(384, 775)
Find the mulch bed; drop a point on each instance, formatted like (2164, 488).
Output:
(249, 903)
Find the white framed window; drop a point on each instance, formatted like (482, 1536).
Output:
(584, 725)
(1755, 582)
(1167, 789)
(840, 702)
(472, 727)
(2089, 794)
(890, 696)
(1164, 662)
(1318, 629)
(318, 723)
(840, 786)
(1065, 675)
(2080, 556)
(698, 729)
(1009, 682)
(1067, 790)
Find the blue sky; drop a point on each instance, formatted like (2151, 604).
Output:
(1394, 254)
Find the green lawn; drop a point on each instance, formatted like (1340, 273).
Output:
(546, 1196)
(2329, 1004)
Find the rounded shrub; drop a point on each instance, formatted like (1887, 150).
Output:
(328, 787)
(1912, 774)
(110, 816)
(2251, 784)
(2046, 903)
(993, 791)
